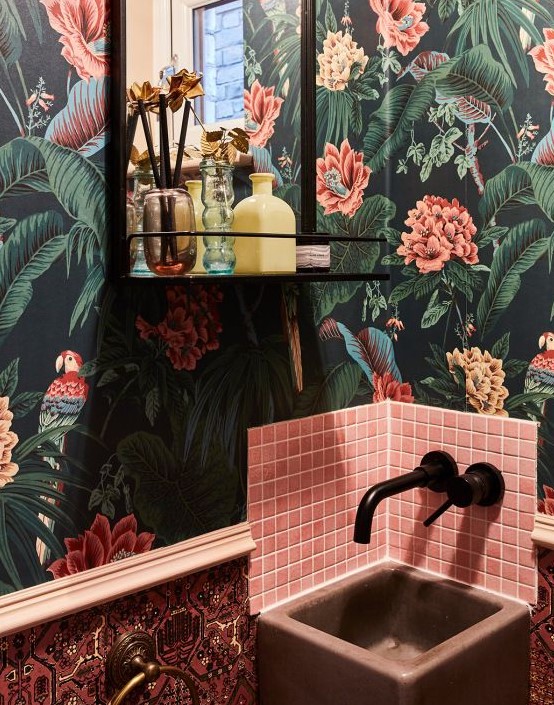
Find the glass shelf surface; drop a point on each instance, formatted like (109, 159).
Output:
(299, 277)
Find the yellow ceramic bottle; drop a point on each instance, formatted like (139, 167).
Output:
(194, 187)
(262, 212)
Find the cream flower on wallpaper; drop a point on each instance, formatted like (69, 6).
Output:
(340, 53)
(8, 440)
(485, 389)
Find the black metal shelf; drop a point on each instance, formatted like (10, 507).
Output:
(322, 238)
(265, 278)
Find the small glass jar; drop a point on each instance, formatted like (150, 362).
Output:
(169, 211)
(131, 229)
(217, 216)
(143, 182)
(194, 187)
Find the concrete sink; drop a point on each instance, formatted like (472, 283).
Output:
(395, 635)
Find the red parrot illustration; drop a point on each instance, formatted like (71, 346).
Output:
(540, 375)
(61, 405)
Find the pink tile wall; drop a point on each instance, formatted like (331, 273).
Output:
(307, 476)
(485, 546)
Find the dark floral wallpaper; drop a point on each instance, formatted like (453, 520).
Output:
(435, 130)
(123, 409)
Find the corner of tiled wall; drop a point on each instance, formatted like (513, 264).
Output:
(489, 547)
(307, 476)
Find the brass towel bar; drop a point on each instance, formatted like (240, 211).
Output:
(131, 662)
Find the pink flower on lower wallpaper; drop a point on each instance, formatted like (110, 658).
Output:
(440, 230)
(101, 545)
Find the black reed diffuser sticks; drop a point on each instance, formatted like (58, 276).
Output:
(149, 143)
(181, 145)
(167, 214)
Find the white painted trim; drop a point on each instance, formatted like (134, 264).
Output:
(161, 31)
(543, 532)
(41, 603)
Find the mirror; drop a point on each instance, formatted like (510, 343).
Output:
(156, 44)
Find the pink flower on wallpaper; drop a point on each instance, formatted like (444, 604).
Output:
(400, 23)
(341, 179)
(101, 545)
(262, 108)
(441, 230)
(190, 327)
(387, 387)
(543, 56)
(82, 26)
(546, 505)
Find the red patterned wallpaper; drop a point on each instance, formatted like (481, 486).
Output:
(542, 635)
(200, 623)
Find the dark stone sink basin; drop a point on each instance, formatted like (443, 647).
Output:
(395, 635)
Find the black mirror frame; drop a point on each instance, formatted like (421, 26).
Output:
(117, 186)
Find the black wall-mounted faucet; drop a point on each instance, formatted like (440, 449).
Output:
(482, 484)
(436, 469)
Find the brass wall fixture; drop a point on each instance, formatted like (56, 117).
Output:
(131, 662)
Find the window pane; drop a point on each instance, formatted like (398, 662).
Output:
(218, 50)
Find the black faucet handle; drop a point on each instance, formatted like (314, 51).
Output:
(482, 484)
(437, 513)
(440, 467)
(486, 484)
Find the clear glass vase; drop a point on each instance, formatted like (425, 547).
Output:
(217, 216)
(143, 182)
(169, 211)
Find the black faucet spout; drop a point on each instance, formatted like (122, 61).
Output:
(435, 469)
(379, 492)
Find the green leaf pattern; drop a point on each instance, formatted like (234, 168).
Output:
(451, 113)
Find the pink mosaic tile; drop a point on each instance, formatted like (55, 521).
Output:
(307, 476)
(481, 560)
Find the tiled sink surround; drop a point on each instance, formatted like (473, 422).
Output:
(307, 476)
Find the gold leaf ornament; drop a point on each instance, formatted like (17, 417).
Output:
(239, 141)
(183, 85)
(230, 153)
(207, 147)
(213, 135)
(222, 145)
(149, 94)
(190, 83)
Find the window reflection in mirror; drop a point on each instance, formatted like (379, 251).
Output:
(164, 36)
(218, 55)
